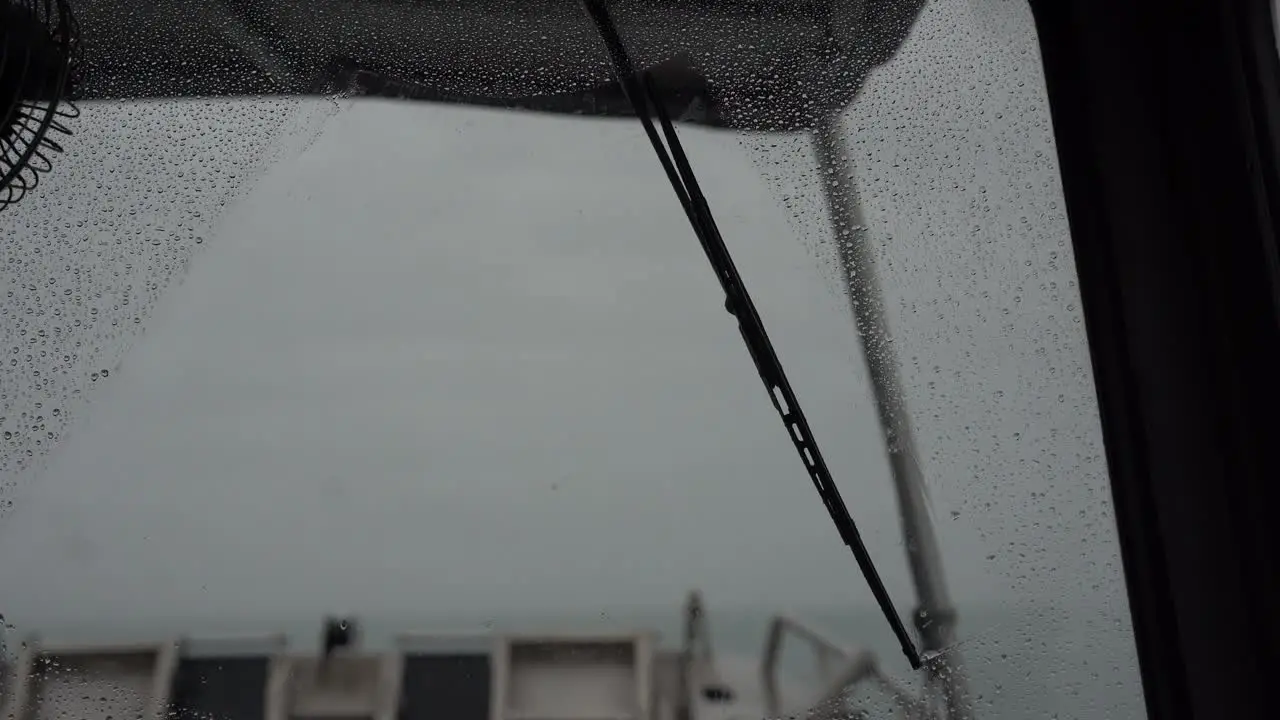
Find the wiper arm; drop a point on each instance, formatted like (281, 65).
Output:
(643, 95)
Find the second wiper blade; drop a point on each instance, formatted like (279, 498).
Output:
(643, 95)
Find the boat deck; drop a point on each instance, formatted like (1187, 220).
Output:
(504, 676)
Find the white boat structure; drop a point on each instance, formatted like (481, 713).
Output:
(503, 676)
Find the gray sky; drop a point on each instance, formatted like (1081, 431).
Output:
(470, 386)
(475, 360)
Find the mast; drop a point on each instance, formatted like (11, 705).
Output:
(934, 616)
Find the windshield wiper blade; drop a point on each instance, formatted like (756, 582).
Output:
(643, 95)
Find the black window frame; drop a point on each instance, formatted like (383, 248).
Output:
(1166, 116)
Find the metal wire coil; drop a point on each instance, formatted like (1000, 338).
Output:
(39, 66)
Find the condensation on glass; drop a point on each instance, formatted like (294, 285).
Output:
(455, 368)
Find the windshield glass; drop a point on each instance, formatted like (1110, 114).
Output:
(444, 367)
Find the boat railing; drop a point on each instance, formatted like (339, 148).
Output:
(839, 668)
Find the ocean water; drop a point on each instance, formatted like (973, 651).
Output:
(1021, 662)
